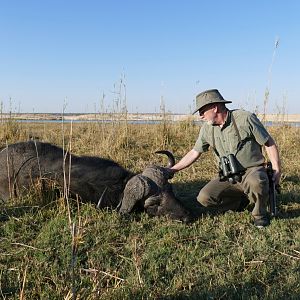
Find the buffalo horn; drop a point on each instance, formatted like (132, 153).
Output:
(171, 158)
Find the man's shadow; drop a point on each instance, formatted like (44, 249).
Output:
(289, 200)
(187, 193)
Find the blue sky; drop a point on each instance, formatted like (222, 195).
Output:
(72, 55)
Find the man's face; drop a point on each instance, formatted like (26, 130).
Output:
(208, 114)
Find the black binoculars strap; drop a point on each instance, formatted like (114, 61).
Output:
(236, 129)
(214, 142)
(240, 144)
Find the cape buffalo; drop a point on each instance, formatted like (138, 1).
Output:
(98, 180)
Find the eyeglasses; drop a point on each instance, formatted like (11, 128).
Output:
(205, 109)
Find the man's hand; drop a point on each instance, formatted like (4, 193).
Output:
(276, 177)
(273, 155)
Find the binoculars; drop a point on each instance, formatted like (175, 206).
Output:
(230, 169)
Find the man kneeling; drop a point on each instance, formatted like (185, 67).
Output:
(236, 137)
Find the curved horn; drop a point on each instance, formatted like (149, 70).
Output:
(170, 155)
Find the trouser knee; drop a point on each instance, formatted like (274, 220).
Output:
(205, 199)
(258, 189)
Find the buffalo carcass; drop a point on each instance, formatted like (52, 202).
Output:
(93, 179)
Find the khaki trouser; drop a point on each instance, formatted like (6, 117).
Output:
(223, 195)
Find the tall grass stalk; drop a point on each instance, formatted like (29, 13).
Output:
(268, 88)
(10, 190)
(22, 292)
(73, 225)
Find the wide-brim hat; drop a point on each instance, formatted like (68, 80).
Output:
(209, 97)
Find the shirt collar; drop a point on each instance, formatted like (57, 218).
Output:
(228, 119)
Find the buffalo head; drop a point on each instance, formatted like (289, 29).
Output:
(154, 193)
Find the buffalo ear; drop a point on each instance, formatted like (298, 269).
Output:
(153, 200)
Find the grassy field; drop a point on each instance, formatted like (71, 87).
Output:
(57, 249)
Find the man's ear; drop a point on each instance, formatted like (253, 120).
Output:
(216, 108)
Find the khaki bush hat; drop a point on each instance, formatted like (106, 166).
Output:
(208, 97)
